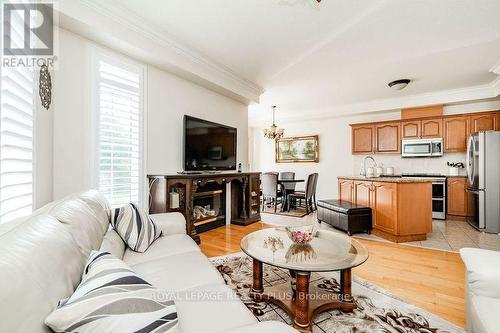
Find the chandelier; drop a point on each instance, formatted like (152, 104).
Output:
(274, 132)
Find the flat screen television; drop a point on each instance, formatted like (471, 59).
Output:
(208, 145)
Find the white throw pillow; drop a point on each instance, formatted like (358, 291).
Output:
(112, 298)
(135, 227)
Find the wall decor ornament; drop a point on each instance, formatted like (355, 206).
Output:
(297, 149)
(45, 87)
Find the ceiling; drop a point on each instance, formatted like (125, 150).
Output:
(325, 58)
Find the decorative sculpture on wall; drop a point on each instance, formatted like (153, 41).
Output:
(45, 87)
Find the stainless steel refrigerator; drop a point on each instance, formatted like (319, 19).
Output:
(483, 179)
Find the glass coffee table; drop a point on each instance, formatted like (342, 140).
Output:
(328, 251)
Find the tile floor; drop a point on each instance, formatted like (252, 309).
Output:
(447, 235)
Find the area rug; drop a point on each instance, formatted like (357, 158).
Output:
(294, 212)
(377, 310)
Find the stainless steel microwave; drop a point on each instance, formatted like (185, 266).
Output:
(422, 148)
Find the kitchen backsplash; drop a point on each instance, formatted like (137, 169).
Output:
(412, 165)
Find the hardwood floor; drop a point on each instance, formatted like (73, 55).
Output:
(226, 240)
(431, 279)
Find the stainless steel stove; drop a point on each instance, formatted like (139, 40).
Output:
(438, 192)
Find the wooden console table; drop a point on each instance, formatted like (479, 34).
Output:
(207, 189)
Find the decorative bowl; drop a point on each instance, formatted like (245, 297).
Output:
(300, 234)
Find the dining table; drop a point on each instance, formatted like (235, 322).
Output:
(281, 183)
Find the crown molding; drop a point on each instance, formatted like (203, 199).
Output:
(461, 95)
(111, 25)
(495, 87)
(496, 68)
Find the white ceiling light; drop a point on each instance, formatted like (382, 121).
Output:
(399, 84)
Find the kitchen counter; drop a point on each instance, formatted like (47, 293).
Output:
(388, 179)
(401, 207)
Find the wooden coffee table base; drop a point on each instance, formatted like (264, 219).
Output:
(301, 301)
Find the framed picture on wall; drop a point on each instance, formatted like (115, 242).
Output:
(297, 149)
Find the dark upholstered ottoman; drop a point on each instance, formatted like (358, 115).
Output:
(345, 216)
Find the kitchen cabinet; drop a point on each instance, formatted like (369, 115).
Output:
(363, 193)
(381, 198)
(417, 129)
(456, 132)
(482, 122)
(387, 137)
(432, 128)
(418, 113)
(346, 190)
(411, 129)
(397, 214)
(460, 202)
(362, 139)
(385, 206)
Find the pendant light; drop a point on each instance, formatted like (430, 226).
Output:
(274, 132)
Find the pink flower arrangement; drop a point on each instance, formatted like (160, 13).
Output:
(301, 237)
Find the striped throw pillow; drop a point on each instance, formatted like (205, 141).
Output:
(135, 227)
(112, 298)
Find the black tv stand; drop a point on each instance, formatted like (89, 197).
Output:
(207, 189)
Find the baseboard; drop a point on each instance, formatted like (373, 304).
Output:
(399, 238)
(457, 217)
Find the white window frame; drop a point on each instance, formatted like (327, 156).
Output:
(99, 54)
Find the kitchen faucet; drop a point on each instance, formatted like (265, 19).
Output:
(363, 173)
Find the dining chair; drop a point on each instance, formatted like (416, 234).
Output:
(289, 187)
(286, 187)
(307, 195)
(316, 175)
(269, 181)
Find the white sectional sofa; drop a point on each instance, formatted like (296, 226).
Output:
(482, 294)
(42, 258)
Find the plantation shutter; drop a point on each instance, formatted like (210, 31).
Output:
(120, 134)
(16, 135)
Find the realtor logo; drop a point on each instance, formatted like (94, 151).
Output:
(28, 29)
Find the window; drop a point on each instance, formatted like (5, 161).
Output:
(16, 135)
(119, 146)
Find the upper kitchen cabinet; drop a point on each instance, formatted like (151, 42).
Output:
(456, 131)
(362, 139)
(483, 122)
(432, 128)
(387, 137)
(427, 128)
(411, 129)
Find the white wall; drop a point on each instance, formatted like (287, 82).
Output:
(335, 158)
(167, 99)
(42, 140)
(72, 116)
